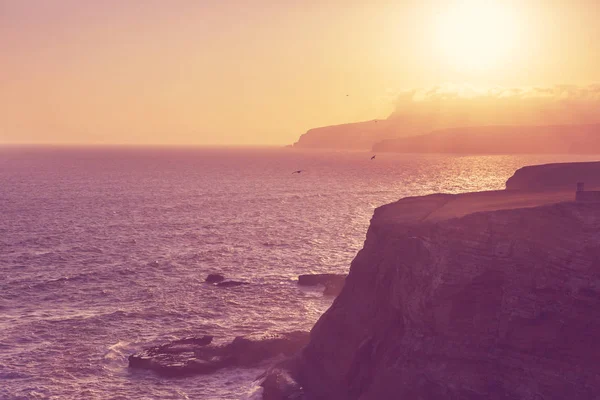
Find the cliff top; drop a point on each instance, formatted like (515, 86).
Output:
(530, 186)
(439, 207)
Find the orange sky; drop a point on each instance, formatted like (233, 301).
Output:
(260, 72)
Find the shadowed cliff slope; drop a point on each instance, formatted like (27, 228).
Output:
(492, 295)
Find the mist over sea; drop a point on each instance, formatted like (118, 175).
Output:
(104, 251)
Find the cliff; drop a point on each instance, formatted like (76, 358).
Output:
(556, 177)
(556, 139)
(492, 295)
(355, 136)
(364, 135)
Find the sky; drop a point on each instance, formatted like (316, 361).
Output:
(262, 72)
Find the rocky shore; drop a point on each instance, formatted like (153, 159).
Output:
(195, 356)
(198, 355)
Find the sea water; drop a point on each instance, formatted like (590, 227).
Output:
(104, 251)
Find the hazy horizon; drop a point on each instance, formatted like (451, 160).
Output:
(224, 73)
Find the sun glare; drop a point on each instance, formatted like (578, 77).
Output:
(477, 34)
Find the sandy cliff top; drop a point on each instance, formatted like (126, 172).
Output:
(530, 186)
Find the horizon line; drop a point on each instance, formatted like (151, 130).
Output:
(138, 145)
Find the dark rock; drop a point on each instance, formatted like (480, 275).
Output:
(153, 264)
(321, 279)
(231, 283)
(193, 356)
(214, 278)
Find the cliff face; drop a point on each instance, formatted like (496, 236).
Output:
(492, 295)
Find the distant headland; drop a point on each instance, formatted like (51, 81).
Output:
(423, 135)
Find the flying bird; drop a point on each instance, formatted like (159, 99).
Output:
(297, 172)
(372, 158)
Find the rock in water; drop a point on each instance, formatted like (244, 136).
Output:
(321, 279)
(192, 356)
(214, 278)
(333, 282)
(492, 295)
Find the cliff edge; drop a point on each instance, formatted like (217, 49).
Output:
(491, 295)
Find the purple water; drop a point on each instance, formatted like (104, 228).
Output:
(81, 228)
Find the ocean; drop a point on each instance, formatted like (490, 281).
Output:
(104, 251)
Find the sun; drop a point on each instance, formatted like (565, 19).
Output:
(477, 34)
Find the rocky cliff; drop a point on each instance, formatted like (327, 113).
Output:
(492, 295)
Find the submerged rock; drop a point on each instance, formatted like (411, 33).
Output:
(192, 356)
(214, 278)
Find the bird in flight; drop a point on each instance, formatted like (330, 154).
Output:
(297, 172)
(372, 158)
